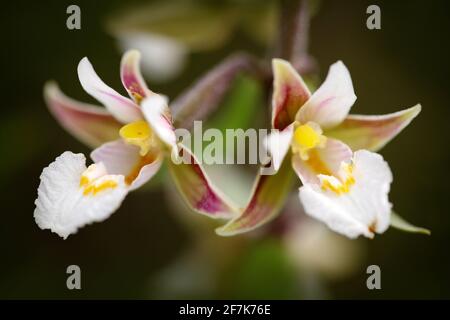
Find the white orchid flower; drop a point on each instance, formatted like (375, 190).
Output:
(135, 135)
(346, 190)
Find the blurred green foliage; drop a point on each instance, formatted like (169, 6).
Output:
(265, 272)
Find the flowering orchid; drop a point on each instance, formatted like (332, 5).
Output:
(346, 190)
(134, 135)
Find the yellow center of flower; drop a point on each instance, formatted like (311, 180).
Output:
(340, 186)
(139, 134)
(306, 138)
(95, 179)
(94, 188)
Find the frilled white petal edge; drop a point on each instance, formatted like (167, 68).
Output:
(331, 103)
(157, 114)
(63, 205)
(364, 209)
(277, 145)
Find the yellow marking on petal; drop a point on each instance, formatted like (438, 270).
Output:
(149, 158)
(94, 171)
(84, 181)
(108, 184)
(316, 164)
(139, 134)
(95, 179)
(88, 190)
(94, 188)
(137, 97)
(338, 186)
(306, 138)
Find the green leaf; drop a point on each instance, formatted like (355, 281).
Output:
(401, 224)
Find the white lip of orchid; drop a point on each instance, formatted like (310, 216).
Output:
(354, 201)
(72, 195)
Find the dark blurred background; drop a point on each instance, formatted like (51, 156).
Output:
(136, 253)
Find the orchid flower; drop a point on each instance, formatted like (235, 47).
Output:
(134, 135)
(345, 189)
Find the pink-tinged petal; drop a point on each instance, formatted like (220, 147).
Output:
(278, 143)
(90, 124)
(124, 159)
(197, 189)
(131, 76)
(325, 160)
(373, 132)
(269, 194)
(122, 108)
(331, 103)
(158, 116)
(289, 94)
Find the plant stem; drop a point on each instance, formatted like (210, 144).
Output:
(292, 41)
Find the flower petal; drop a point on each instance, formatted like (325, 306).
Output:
(266, 201)
(331, 103)
(362, 210)
(325, 160)
(401, 224)
(124, 159)
(158, 116)
(372, 132)
(122, 108)
(197, 189)
(90, 124)
(131, 76)
(278, 143)
(63, 207)
(289, 93)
